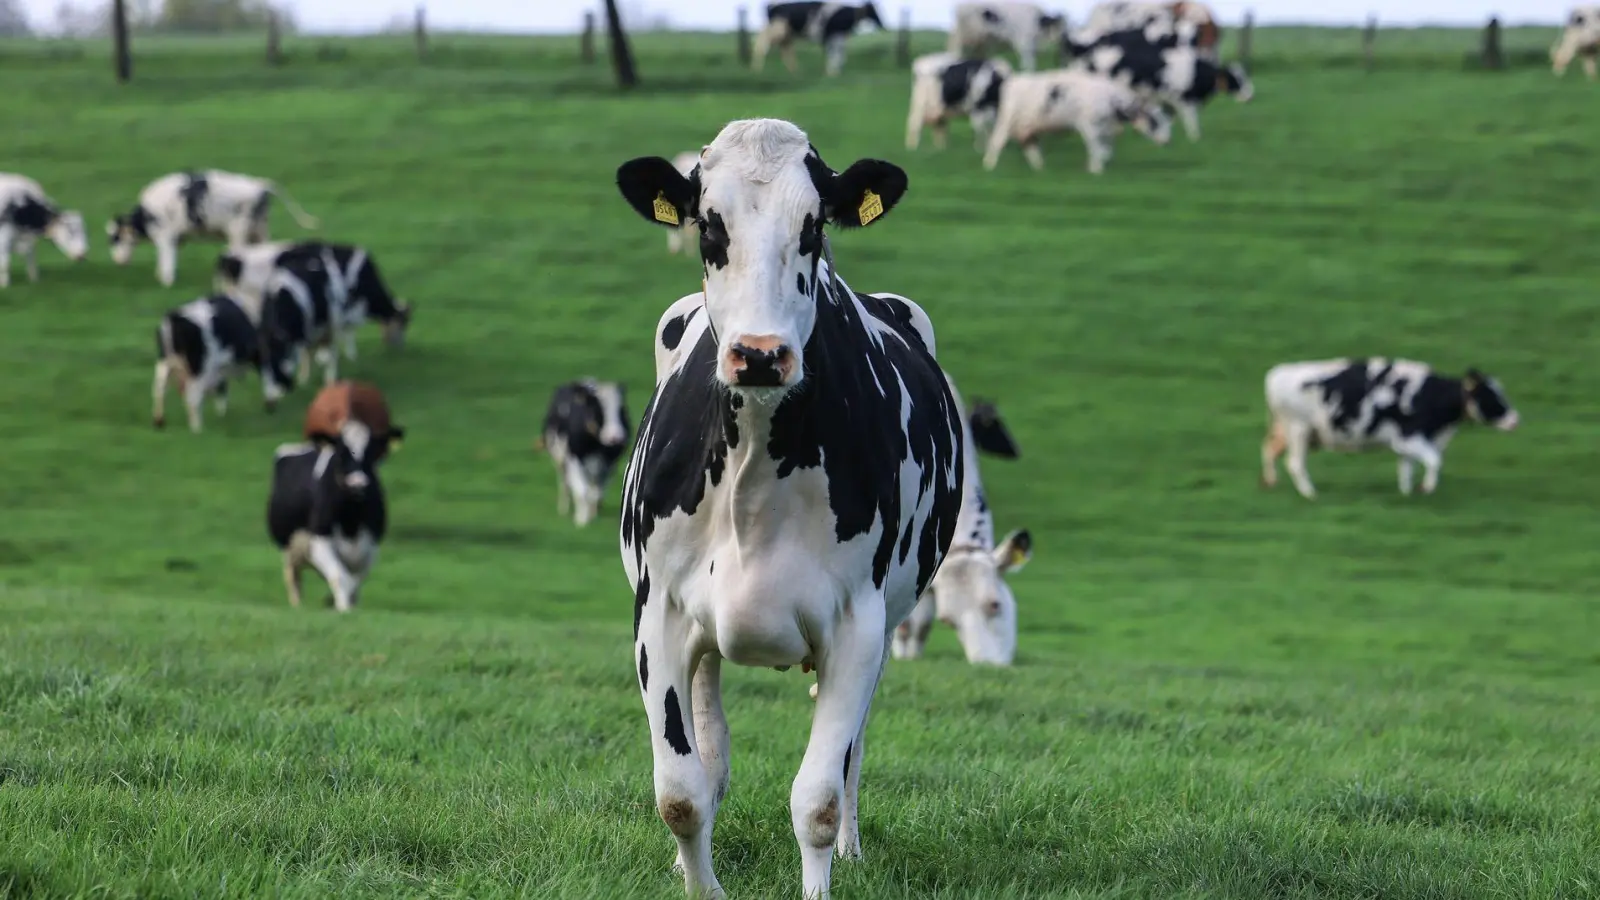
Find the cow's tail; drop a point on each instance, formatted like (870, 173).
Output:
(301, 217)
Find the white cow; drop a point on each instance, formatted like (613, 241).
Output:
(1023, 27)
(679, 240)
(208, 203)
(1580, 37)
(26, 215)
(795, 482)
(946, 87)
(1037, 103)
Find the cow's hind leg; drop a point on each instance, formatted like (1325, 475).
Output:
(158, 393)
(294, 560)
(847, 676)
(1272, 447)
(685, 797)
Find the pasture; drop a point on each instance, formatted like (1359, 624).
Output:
(1219, 691)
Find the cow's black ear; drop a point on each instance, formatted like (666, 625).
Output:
(396, 433)
(863, 193)
(1474, 378)
(657, 190)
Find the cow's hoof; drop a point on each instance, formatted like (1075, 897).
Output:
(813, 692)
(159, 422)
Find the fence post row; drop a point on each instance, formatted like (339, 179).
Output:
(422, 32)
(1492, 59)
(586, 40)
(274, 40)
(744, 36)
(1247, 37)
(1368, 38)
(902, 44)
(119, 38)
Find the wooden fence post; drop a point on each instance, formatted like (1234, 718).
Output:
(274, 40)
(422, 32)
(1368, 38)
(586, 40)
(621, 53)
(744, 36)
(902, 44)
(119, 38)
(1247, 37)
(1492, 59)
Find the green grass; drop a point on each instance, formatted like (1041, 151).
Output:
(1220, 691)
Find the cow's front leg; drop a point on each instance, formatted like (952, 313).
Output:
(1419, 448)
(835, 57)
(1031, 152)
(221, 399)
(578, 485)
(294, 559)
(194, 395)
(848, 844)
(1589, 65)
(1190, 114)
(7, 235)
(847, 676)
(1298, 438)
(30, 259)
(685, 797)
(1272, 447)
(1098, 148)
(789, 61)
(340, 580)
(158, 393)
(166, 260)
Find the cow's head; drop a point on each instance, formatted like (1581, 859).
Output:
(1233, 79)
(761, 196)
(125, 233)
(868, 12)
(66, 231)
(1150, 119)
(352, 449)
(612, 427)
(1486, 402)
(972, 596)
(394, 327)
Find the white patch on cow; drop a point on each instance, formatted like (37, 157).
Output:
(612, 427)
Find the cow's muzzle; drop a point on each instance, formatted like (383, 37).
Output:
(759, 362)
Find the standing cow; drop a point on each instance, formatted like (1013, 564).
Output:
(1581, 37)
(326, 510)
(1023, 27)
(970, 593)
(945, 87)
(1190, 23)
(1355, 404)
(1179, 77)
(204, 343)
(206, 203)
(357, 290)
(1033, 104)
(28, 214)
(795, 482)
(828, 24)
(585, 433)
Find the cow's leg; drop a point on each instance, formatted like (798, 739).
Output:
(847, 676)
(294, 559)
(789, 61)
(30, 257)
(1419, 448)
(1297, 435)
(758, 53)
(302, 365)
(912, 634)
(327, 562)
(685, 797)
(1190, 114)
(848, 844)
(348, 338)
(1271, 448)
(1025, 55)
(194, 394)
(1403, 474)
(1097, 147)
(1031, 152)
(158, 394)
(221, 399)
(711, 726)
(238, 233)
(166, 259)
(941, 134)
(8, 234)
(578, 485)
(834, 51)
(1589, 65)
(359, 573)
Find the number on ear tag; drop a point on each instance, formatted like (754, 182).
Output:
(665, 211)
(871, 208)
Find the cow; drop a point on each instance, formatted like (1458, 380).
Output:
(1356, 404)
(358, 401)
(204, 343)
(1189, 23)
(680, 239)
(27, 214)
(585, 432)
(326, 510)
(1037, 103)
(795, 481)
(828, 24)
(946, 87)
(1580, 37)
(1179, 77)
(1023, 27)
(970, 592)
(202, 203)
(358, 291)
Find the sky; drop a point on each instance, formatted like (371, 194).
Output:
(564, 15)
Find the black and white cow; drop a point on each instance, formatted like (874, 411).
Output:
(1023, 27)
(358, 290)
(795, 483)
(203, 342)
(828, 24)
(27, 214)
(1180, 77)
(585, 432)
(326, 510)
(970, 593)
(1580, 38)
(1356, 404)
(945, 87)
(206, 203)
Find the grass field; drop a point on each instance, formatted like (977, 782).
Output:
(1220, 691)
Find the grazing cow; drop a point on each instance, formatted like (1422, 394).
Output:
(326, 510)
(585, 432)
(26, 215)
(354, 401)
(828, 24)
(1356, 404)
(970, 592)
(1190, 24)
(795, 482)
(206, 203)
(1023, 27)
(680, 239)
(1177, 76)
(203, 343)
(945, 87)
(1581, 37)
(1038, 103)
(358, 290)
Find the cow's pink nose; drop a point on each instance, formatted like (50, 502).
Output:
(759, 361)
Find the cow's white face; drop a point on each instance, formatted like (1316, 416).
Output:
(971, 596)
(613, 430)
(760, 197)
(67, 232)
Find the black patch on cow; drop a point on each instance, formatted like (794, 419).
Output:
(713, 569)
(1208, 78)
(674, 732)
(1492, 405)
(797, 16)
(181, 333)
(848, 751)
(800, 283)
(322, 504)
(641, 594)
(714, 240)
(990, 16)
(194, 191)
(644, 669)
(260, 208)
(905, 545)
(1437, 404)
(956, 81)
(811, 237)
(229, 267)
(1054, 96)
(28, 213)
(672, 332)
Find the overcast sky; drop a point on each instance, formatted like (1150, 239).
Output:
(564, 15)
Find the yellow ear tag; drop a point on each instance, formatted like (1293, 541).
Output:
(394, 445)
(665, 211)
(1017, 557)
(871, 208)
